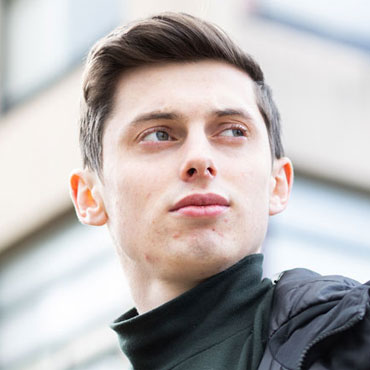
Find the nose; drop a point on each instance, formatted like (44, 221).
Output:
(198, 164)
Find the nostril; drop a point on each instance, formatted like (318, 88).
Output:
(211, 171)
(191, 171)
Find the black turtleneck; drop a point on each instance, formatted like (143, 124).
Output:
(221, 324)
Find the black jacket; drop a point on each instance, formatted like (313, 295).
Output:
(318, 323)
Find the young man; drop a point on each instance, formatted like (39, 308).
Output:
(183, 162)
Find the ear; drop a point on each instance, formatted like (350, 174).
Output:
(281, 185)
(86, 198)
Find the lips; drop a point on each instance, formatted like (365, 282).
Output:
(201, 205)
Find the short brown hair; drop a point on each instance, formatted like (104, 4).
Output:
(167, 37)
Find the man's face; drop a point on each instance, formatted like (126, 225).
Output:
(180, 130)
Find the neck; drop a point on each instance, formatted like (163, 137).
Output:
(154, 293)
(150, 289)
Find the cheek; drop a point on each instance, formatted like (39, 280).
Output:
(134, 192)
(128, 214)
(251, 185)
(251, 175)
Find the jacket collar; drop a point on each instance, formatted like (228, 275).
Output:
(178, 329)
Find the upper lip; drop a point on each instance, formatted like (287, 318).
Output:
(209, 199)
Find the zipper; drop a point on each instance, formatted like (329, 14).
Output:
(348, 325)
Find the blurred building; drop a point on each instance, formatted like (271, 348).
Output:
(60, 282)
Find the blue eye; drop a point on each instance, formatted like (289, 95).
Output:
(162, 135)
(237, 132)
(234, 132)
(157, 136)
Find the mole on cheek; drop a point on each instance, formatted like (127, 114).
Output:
(147, 257)
(150, 258)
(176, 235)
(218, 232)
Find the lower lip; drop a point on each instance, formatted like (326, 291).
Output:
(202, 211)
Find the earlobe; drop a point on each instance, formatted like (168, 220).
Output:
(86, 198)
(281, 185)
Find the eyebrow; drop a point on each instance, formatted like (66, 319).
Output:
(152, 116)
(170, 116)
(233, 112)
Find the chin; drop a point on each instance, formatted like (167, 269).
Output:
(204, 257)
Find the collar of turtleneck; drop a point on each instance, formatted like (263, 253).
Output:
(176, 330)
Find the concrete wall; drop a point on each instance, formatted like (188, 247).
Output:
(38, 149)
(323, 92)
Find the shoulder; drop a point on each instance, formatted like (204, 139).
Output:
(299, 289)
(310, 312)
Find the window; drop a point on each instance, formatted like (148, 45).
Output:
(340, 20)
(60, 290)
(324, 228)
(42, 39)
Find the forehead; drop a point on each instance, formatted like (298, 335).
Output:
(185, 87)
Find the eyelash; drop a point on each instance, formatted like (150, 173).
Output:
(154, 129)
(167, 130)
(236, 126)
